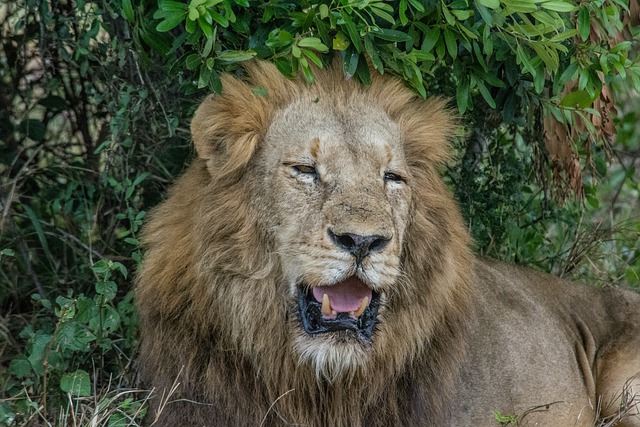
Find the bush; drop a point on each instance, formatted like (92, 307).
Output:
(96, 97)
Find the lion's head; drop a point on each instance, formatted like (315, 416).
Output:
(307, 237)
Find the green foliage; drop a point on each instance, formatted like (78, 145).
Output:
(76, 143)
(505, 420)
(96, 99)
(496, 51)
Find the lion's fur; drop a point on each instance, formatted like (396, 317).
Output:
(216, 311)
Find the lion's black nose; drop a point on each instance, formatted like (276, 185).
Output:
(357, 245)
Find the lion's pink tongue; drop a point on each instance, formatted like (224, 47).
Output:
(345, 296)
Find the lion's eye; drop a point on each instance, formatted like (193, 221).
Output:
(306, 170)
(393, 177)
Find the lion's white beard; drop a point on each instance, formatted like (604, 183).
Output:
(331, 361)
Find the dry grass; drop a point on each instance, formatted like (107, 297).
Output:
(629, 406)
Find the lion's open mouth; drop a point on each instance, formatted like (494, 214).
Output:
(346, 305)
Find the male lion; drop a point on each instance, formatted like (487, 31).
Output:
(310, 268)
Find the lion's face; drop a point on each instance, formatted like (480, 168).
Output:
(337, 186)
(319, 201)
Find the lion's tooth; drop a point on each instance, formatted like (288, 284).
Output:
(363, 305)
(326, 305)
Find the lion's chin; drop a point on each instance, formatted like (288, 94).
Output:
(348, 310)
(334, 357)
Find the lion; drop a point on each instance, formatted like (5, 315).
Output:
(311, 268)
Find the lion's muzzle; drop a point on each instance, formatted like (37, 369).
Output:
(357, 245)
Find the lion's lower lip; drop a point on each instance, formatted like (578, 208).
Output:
(314, 322)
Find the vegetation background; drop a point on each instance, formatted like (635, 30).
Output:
(95, 102)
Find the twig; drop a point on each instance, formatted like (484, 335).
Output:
(273, 404)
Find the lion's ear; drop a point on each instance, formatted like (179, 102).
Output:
(227, 128)
(428, 128)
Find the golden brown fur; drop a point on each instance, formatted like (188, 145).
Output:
(243, 227)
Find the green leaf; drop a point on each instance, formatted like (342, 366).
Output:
(341, 41)
(190, 26)
(208, 46)
(383, 15)
(39, 346)
(223, 21)
(450, 41)
(491, 4)
(279, 38)
(324, 11)
(193, 14)
(313, 43)
(171, 6)
(485, 94)
(402, 12)
(523, 58)
(127, 10)
(567, 34)
(101, 267)
(579, 98)
(417, 4)
(232, 56)
(391, 35)
(490, 78)
(229, 12)
(171, 22)
(354, 35)
(486, 16)
(206, 27)
(107, 289)
(548, 56)
(7, 252)
(431, 37)
(447, 15)
(568, 73)
(351, 62)
(107, 321)
(462, 15)
(462, 94)
(306, 70)
(312, 57)
(37, 227)
(551, 21)
(559, 6)
(539, 79)
(215, 84)
(519, 6)
(35, 129)
(373, 53)
(20, 368)
(584, 24)
(363, 73)
(76, 383)
(118, 420)
(193, 61)
(54, 103)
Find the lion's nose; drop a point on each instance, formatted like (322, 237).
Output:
(357, 245)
